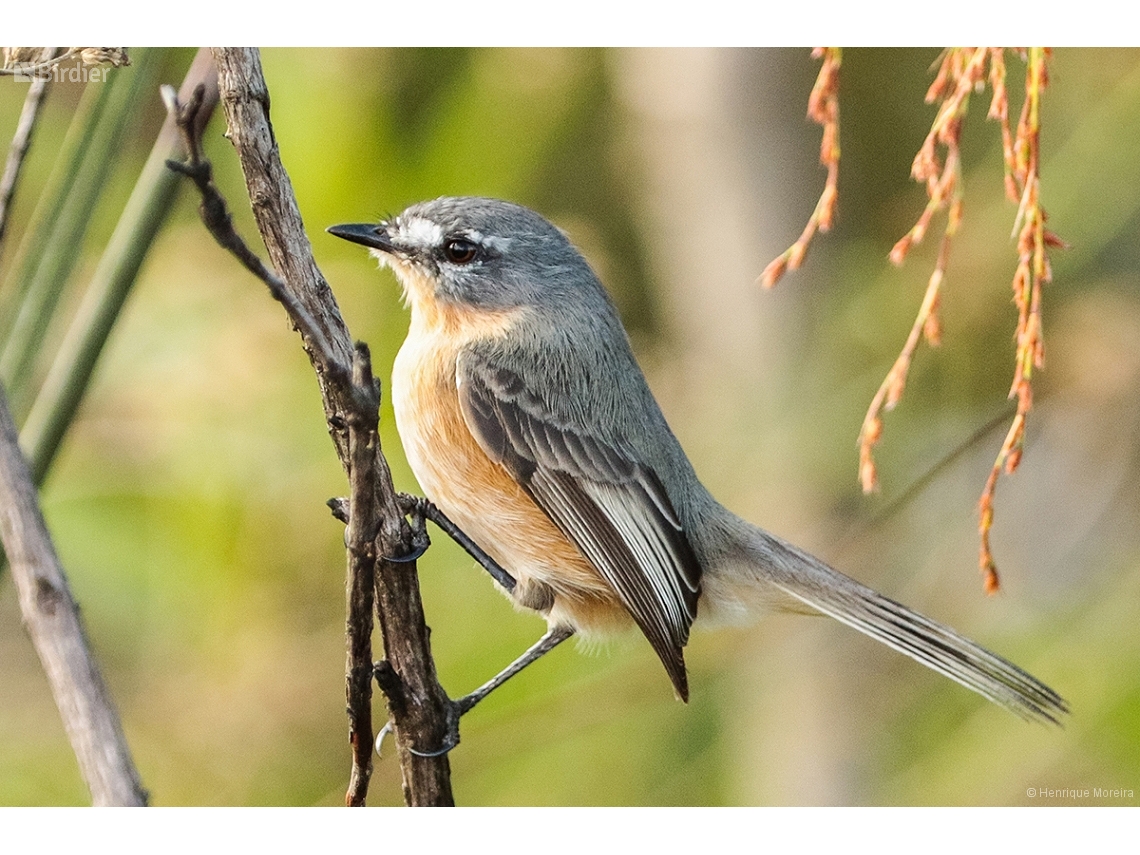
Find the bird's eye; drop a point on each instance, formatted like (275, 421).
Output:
(460, 251)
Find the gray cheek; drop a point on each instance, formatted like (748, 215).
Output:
(473, 285)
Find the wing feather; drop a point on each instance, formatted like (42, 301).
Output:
(612, 507)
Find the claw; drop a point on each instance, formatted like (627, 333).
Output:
(411, 507)
(453, 740)
(384, 731)
(419, 509)
(418, 549)
(460, 707)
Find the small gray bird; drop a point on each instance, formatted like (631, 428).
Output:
(527, 420)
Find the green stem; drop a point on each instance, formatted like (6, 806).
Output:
(146, 209)
(62, 248)
(51, 202)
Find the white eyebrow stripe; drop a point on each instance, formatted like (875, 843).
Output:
(491, 242)
(498, 244)
(419, 233)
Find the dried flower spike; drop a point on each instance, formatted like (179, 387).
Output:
(937, 165)
(961, 72)
(1022, 163)
(823, 109)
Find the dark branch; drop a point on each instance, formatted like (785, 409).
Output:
(379, 539)
(360, 538)
(421, 711)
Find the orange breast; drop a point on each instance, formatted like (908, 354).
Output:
(477, 494)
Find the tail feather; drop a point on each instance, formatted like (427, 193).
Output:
(810, 581)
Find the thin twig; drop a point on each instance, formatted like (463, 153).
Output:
(216, 217)
(37, 91)
(360, 540)
(15, 63)
(52, 621)
(35, 69)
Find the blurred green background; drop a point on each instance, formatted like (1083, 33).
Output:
(188, 499)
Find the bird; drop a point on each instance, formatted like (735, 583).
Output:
(526, 419)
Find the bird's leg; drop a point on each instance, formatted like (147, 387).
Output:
(419, 509)
(553, 637)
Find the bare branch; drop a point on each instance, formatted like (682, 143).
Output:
(216, 216)
(37, 91)
(52, 620)
(34, 61)
(423, 716)
(360, 539)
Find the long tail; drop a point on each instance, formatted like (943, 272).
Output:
(810, 581)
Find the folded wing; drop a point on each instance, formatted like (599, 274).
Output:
(612, 507)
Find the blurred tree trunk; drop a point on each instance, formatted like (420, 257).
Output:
(719, 212)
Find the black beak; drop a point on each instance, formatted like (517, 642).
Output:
(366, 234)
